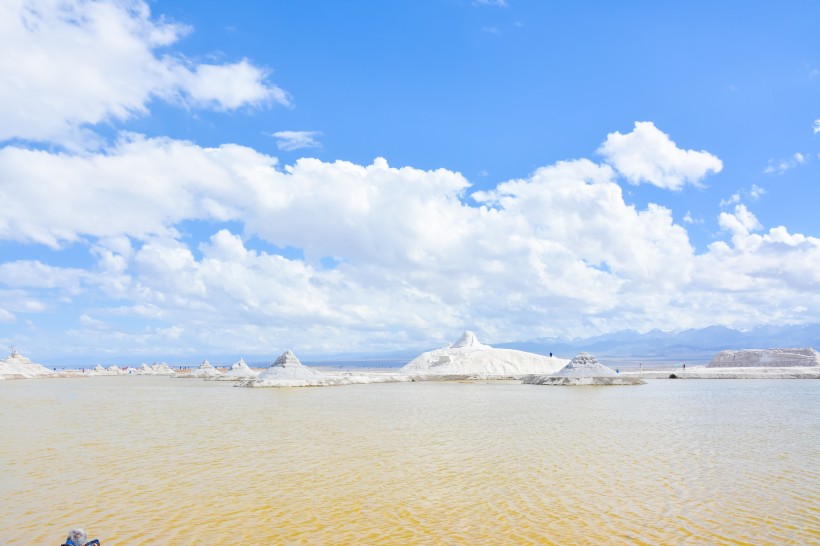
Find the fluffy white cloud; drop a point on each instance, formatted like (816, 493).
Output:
(67, 64)
(34, 274)
(755, 193)
(296, 140)
(414, 254)
(6, 316)
(649, 155)
(742, 222)
(779, 167)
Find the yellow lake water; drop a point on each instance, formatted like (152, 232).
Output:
(157, 460)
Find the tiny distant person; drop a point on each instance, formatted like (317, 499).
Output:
(77, 537)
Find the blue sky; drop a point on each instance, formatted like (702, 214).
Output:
(189, 179)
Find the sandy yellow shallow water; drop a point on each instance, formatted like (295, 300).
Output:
(173, 461)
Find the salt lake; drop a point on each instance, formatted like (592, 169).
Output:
(184, 461)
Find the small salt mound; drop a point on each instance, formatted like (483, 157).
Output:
(162, 369)
(16, 366)
(204, 370)
(468, 356)
(288, 371)
(584, 369)
(111, 370)
(239, 370)
(585, 365)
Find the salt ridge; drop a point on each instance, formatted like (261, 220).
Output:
(16, 366)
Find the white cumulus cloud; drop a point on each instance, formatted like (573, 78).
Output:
(295, 140)
(69, 64)
(6, 316)
(413, 254)
(649, 155)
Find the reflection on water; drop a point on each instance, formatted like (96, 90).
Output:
(170, 461)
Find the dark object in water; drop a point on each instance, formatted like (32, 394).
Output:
(673, 376)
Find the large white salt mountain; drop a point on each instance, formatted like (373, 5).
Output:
(287, 371)
(238, 371)
(205, 369)
(468, 356)
(766, 358)
(16, 366)
(584, 369)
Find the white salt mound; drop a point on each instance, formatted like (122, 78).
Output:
(111, 370)
(162, 369)
(16, 366)
(239, 370)
(205, 369)
(468, 356)
(584, 369)
(585, 365)
(766, 358)
(286, 371)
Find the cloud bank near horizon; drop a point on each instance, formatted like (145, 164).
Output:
(189, 248)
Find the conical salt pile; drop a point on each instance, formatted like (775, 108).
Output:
(584, 369)
(239, 370)
(162, 369)
(585, 365)
(287, 371)
(205, 369)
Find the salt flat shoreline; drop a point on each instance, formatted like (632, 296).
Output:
(466, 359)
(383, 375)
(702, 372)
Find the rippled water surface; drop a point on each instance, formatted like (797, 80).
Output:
(173, 461)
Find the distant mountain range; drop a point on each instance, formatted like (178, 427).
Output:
(685, 346)
(628, 347)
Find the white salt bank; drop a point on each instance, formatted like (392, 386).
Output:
(753, 364)
(766, 358)
(584, 369)
(16, 366)
(470, 357)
